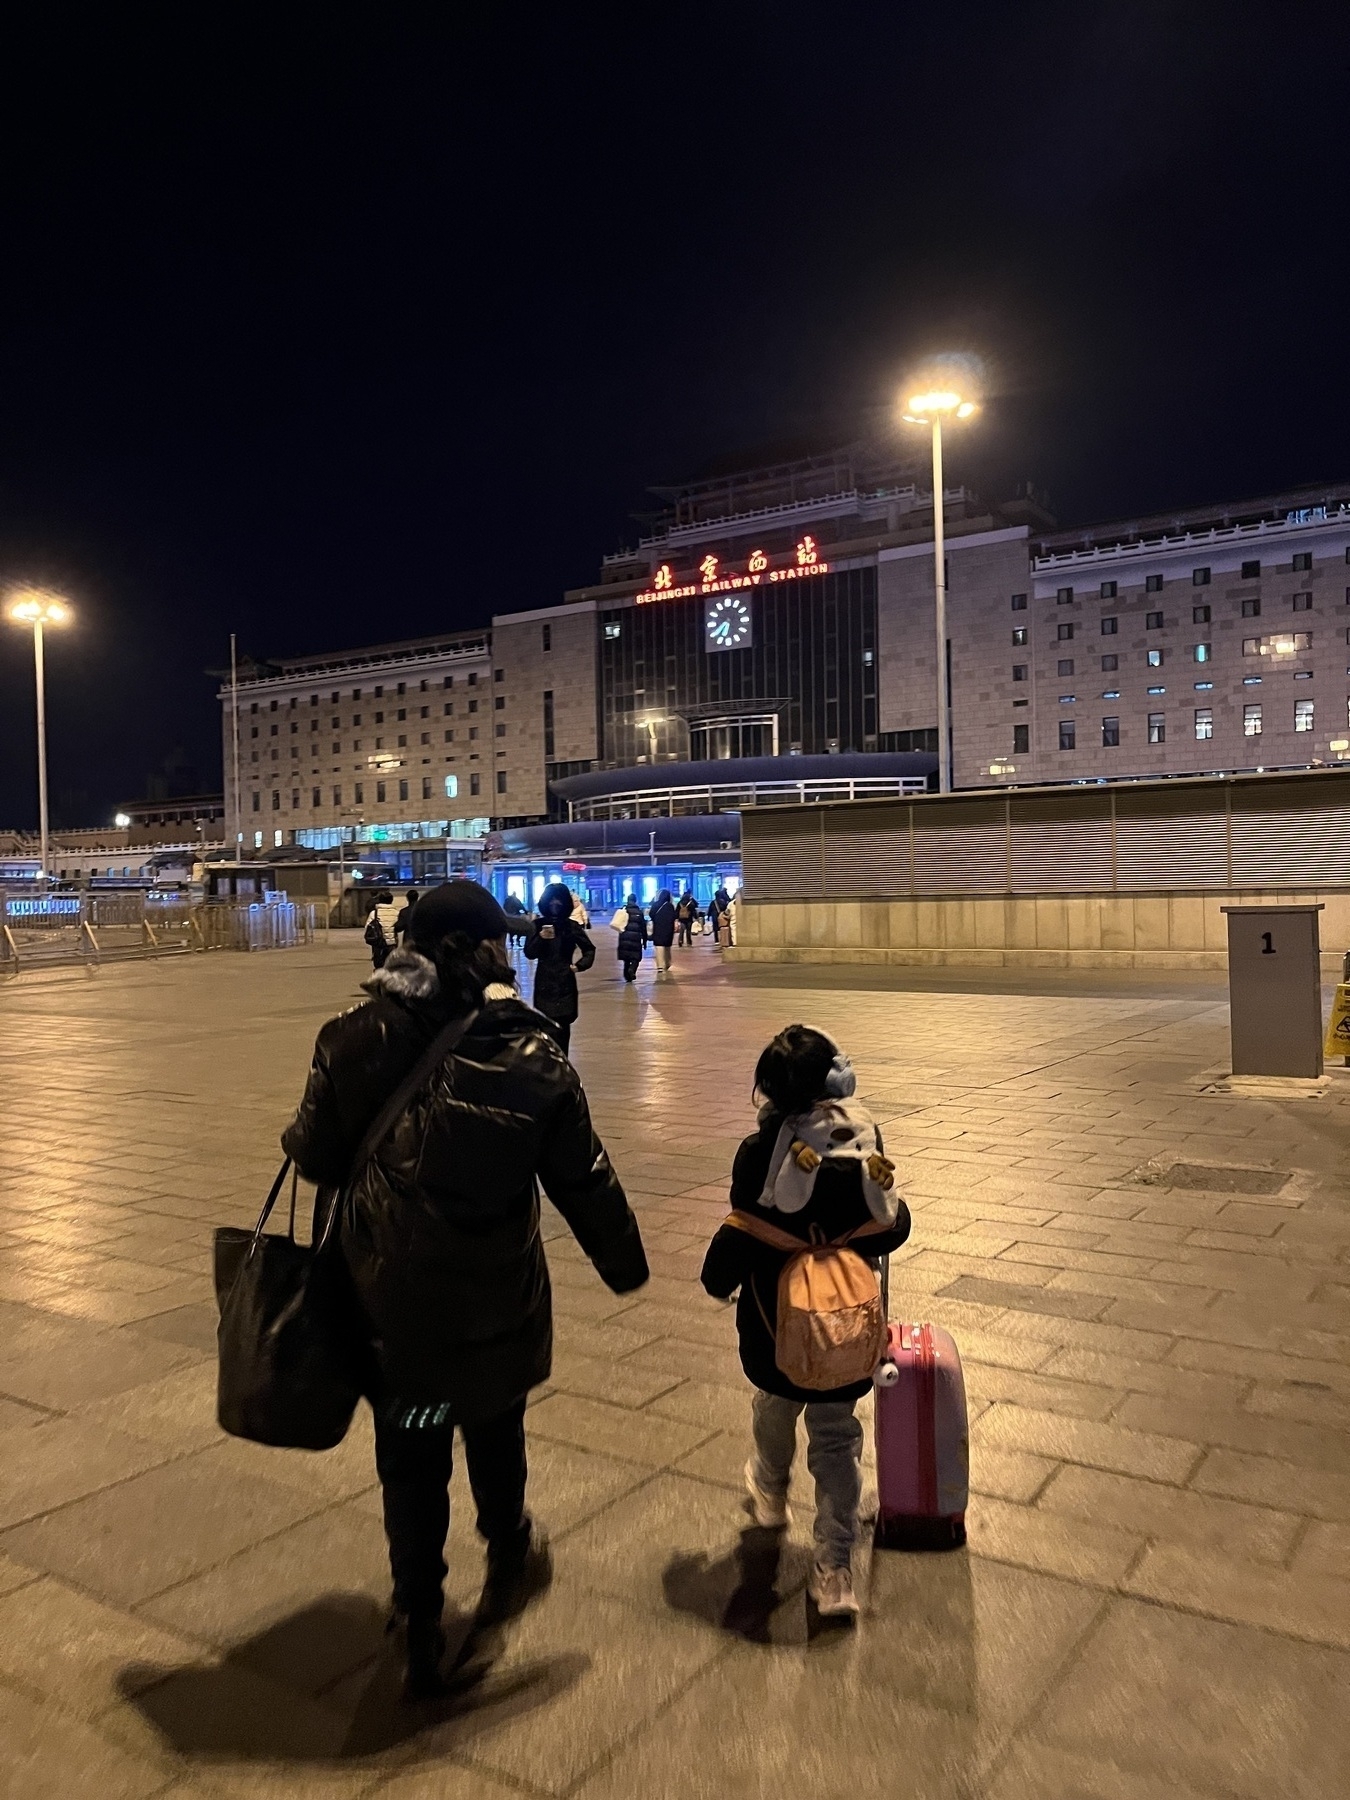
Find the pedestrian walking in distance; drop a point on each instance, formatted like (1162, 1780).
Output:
(632, 938)
(813, 1173)
(663, 931)
(686, 915)
(552, 946)
(380, 926)
(717, 912)
(516, 917)
(440, 1234)
(401, 922)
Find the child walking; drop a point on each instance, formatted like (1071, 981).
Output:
(814, 1170)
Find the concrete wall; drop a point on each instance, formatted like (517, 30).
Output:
(567, 670)
(1048, 931)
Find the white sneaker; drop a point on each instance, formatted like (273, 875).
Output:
(770, 1511)
(832, 1591)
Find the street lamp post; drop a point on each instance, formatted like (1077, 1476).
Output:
(930, 409)
(32, 606)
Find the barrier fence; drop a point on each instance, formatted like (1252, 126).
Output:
(41, 930)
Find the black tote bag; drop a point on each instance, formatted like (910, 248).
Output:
(290, 1346)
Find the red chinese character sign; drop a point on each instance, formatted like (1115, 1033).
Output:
(714, 576)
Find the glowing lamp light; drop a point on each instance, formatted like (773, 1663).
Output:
(920, 409)
(34, 606)
(122, 821)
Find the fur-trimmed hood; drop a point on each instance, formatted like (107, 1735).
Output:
(408, 975)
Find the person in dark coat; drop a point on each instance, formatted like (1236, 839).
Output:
(717, 911)
(663, 930)
(632, 939)
(517, 919)
(807, 1086)
(686, 913)
(379, 933)
(405, 913)
(551, 946)
(440, 1234)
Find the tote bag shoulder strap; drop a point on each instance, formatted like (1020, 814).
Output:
(422, 1070)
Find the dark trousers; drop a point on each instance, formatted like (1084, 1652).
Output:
(562, 1031)
(630, 967)
(686, 931)
(414, 1469)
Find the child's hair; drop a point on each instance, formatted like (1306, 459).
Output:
(792, 1071)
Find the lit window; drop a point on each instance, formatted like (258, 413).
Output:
(1303, 674)
(1067, 734)
(1110, 733)
(1203, 652)
(452, 787)
(1019, 635)
(1157, 690)
(1157, 728)
(1303, 715)
(1203, 686)
(1111, 694)
(1251, 721)
(1204, 722)
(1067, 699)
(1153, 584)
(1251, 681)
(612, 630)
(1154, 658)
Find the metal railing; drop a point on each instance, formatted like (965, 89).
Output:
(682, 802)
(38, 930)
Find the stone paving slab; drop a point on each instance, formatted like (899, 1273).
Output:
(1155, 1595)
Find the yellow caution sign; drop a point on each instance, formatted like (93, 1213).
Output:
(1338, 1031)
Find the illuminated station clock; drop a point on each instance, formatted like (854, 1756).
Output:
(726, 624)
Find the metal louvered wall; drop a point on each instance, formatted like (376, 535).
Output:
(1251, 832)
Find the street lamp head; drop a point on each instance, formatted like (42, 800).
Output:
(35, 606)
(922, 409)
(121, 821)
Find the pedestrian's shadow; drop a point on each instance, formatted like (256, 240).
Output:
(243, 1708)
(745, 1591)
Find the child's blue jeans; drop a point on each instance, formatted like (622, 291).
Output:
(834, 1440)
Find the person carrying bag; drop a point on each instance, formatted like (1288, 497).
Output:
(440, 1239)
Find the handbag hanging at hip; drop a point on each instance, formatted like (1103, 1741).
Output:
(290, 1352)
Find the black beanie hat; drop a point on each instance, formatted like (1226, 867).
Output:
(456, 906)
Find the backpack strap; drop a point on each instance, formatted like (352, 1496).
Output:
(778, 1239)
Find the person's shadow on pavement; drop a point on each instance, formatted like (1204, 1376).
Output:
(242, 1708)
(743, 1592)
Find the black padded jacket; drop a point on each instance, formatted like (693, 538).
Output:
(442, 1231)
(555, 975)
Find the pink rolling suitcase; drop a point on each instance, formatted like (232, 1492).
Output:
(923, 1440)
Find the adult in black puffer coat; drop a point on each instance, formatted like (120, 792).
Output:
(551, 945)
(663, 930)
(441, 1235)
(632, 939)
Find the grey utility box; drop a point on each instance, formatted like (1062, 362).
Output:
(1275, 990)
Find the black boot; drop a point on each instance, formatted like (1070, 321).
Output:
(424, 1643)
(518, 1571)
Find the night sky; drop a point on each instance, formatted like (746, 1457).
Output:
(330, 324)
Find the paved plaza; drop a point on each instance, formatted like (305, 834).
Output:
(1149, 1278)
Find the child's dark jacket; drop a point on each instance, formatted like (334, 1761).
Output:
(736, 1260)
